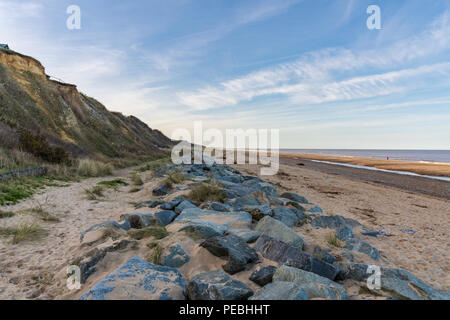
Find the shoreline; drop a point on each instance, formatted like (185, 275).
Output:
(433, 169)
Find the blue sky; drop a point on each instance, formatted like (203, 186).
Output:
(310, 68)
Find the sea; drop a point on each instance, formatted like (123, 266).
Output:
(442, 156)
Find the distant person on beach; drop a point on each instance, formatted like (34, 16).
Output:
(387, 158)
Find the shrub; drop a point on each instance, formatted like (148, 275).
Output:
(333, 241)
(155, 256)
(137, 180)
(39, 147)
(92, 168)
(175, 176)
(6, 214)
(113, 183)
(207, 192)
(94, 192)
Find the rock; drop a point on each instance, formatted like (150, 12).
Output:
(289, 216)
(165, 217)
(284, 253)
(348, 256)
(229, 219)
(217, 285)
(87, 264)
(338, 223)
(280, 290)
(232, 248)
(108, 225)
(139, 220)
(258, 212)
(242, 202)
(247, 235)
(138, 279)
(149, 204)
(314, 285)
(263, 275)
(278, 230)
(185, 204)
(204, 229)
(162, 190)
(222, 207)
(316, 210)
(176, 257)
(363, 247)
(397, 283)
(294, 197)
(171, 204)
(324, 255)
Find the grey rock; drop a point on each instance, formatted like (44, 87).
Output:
(161, 190)
(222, 207)
(232, 248)
(139, 220)
(138, 279)
(289, 216)
(185, 204)
(397, 283)
(242, 202)
(247, 235)
(175, 258)
(324, 255)
(217, 285)
(363, 247)
(314, 285)
(316, 210)
(228, 219)
(280, 290)
(284, 253)
(171, 204)
(149, 204)
(263, 275)
(278, 230)
(339, 224)
(165, 217)
(204, 229)
(294, 197)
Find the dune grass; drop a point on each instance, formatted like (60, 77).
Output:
(155, 255)
(6, 214)
(333, 241)
(113, 183)
(95, 192)
(136, 179)
(207, 192)
(22, 232)
(93, 168)
(156, 232)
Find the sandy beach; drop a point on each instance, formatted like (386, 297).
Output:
(418, 224)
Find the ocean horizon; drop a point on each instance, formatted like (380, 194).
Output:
(442, 156)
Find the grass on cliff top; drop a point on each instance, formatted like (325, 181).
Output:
(22, 232)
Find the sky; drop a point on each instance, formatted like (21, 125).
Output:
(310, 68)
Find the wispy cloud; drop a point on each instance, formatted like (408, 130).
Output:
(313, 78)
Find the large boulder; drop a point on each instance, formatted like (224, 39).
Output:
(185, 204)
(149, 204)
(278, 230)
(217, 285)
(280, 290)
(263, 275)
(284, 253)
(232, 248)
(204, 229)
(175, 257)
(343, 229)
(165, 217)
(363, 247)
(247, 235)
(315, 285)
(139, 220)
(396, 283)
(162, 190)
(138, 279)
(233, 220)
(289, 216)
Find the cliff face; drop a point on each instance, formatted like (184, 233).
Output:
(30, 100)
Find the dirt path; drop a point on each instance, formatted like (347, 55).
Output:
(27, 269)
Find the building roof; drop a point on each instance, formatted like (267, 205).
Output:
(4, 46)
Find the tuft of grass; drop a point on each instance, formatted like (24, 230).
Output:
(157, 232)
(155, 255)
(94, 193)
(333, 241)
(6, 214)
(154, 165)
(136, 179)
(207, 192)
(22, 232)
(43, 214)
(134, 190)
(92, 168)
(175, 176)
(113, 183)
